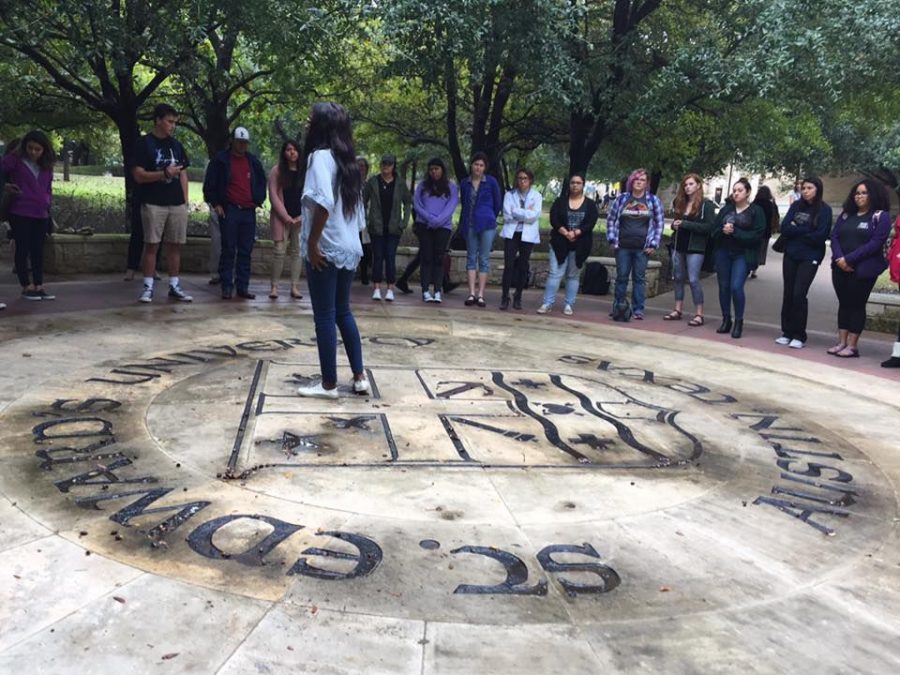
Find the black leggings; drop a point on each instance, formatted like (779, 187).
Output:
(432, 246)
(798, 277)
(853, 294)
(516, 254)
(29, 234)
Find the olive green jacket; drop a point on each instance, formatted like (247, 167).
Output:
(399, 210)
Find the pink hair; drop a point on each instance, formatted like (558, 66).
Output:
(634, 174)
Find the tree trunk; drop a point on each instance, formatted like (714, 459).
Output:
(129, 133)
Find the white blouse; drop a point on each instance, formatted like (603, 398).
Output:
(522, 218)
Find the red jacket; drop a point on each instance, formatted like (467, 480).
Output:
(894, 253)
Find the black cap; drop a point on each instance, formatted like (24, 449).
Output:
(388, 158)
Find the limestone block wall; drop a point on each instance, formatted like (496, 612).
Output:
(104, 253)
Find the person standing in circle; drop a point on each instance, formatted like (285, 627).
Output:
(387, 203)
(481, 204)
(894, 265)
(329, 243)
(739, 227)
(805, 230)
(159, 171)
(572, 220)
(29, 186)
(366, 261)
(766, 202)
(285, 192)
(634, 228)
(521, 231)
(435, 200)
(237, 186)
(694, 219)
(857, 254)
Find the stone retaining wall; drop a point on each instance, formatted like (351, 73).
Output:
(102, 253)
(883, 312)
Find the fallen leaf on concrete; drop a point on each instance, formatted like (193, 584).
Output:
(16, 576)
(313, 609)
(290, 649)
(118, 599)
(664, 589)
(26, 355)
(166, 657)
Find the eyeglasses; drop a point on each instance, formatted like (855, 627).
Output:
(522, 178)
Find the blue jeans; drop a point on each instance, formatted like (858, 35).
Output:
(731, 271)
(238, 234)
(687, 266)
(384, 258)
(478, 249)
(571, 272)
(329, 292)
(632, 263)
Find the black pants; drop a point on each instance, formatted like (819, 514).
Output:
(516, 254)
(853, 294)
(29, 234)
(136, 239)
(364, 263)
(432, 246)
(798, 277)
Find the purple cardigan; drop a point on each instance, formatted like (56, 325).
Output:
(868, 260)
(435, 212)
(34, 199)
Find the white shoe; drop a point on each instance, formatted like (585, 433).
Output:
(146, 295)
(437, 296)
(427, 296)
(389, 295)
(317, 391)
(361, 387)
(544, 309)
(783, 340)
(2, 305)
(796, 344)
(568, 311)
(376, 295)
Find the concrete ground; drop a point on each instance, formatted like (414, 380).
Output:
(517, 493)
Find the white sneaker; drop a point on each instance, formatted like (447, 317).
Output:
(437, 296)
(146, 295)
(389, 295)
(177, 293)
(317, 391)
(427, 296)
(783, 340)
(361, 387)
(568, 311)
(376, 295)
(2, 305)
(796, 344)
(544, 309)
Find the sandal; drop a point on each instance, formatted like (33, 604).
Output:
(296, 296)
(834, 350)
(696, 321)
(469, 301)
(481, 302)
(273, 294)
(674, 315)
(848, 353)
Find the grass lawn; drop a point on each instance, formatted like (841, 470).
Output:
(107, 188)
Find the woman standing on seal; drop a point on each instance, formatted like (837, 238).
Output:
(329, 242)
(521, 231)
(738, 229)
(857, 254)
(285, 192)
(804, 230)
(481, 204)
(435, 200)
(694, 219)
(572, 220)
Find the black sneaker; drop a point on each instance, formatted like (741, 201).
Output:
(178, 294)
(31, 295)
(45, 295)
(402, 285)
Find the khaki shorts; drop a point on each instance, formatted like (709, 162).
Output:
(164, 223)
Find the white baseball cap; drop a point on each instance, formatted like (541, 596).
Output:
(241, 134)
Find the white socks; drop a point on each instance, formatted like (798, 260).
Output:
(148, 282)
(896, 352)
(173, 281)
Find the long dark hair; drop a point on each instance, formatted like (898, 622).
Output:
(440, 187)
(812, 207)
(286, 181)
(878, 197)
(48, 158)
(329, 129)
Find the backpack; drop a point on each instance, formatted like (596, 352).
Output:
(621, 311)
(595, 279)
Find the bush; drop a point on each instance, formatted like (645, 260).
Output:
(195, 174)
